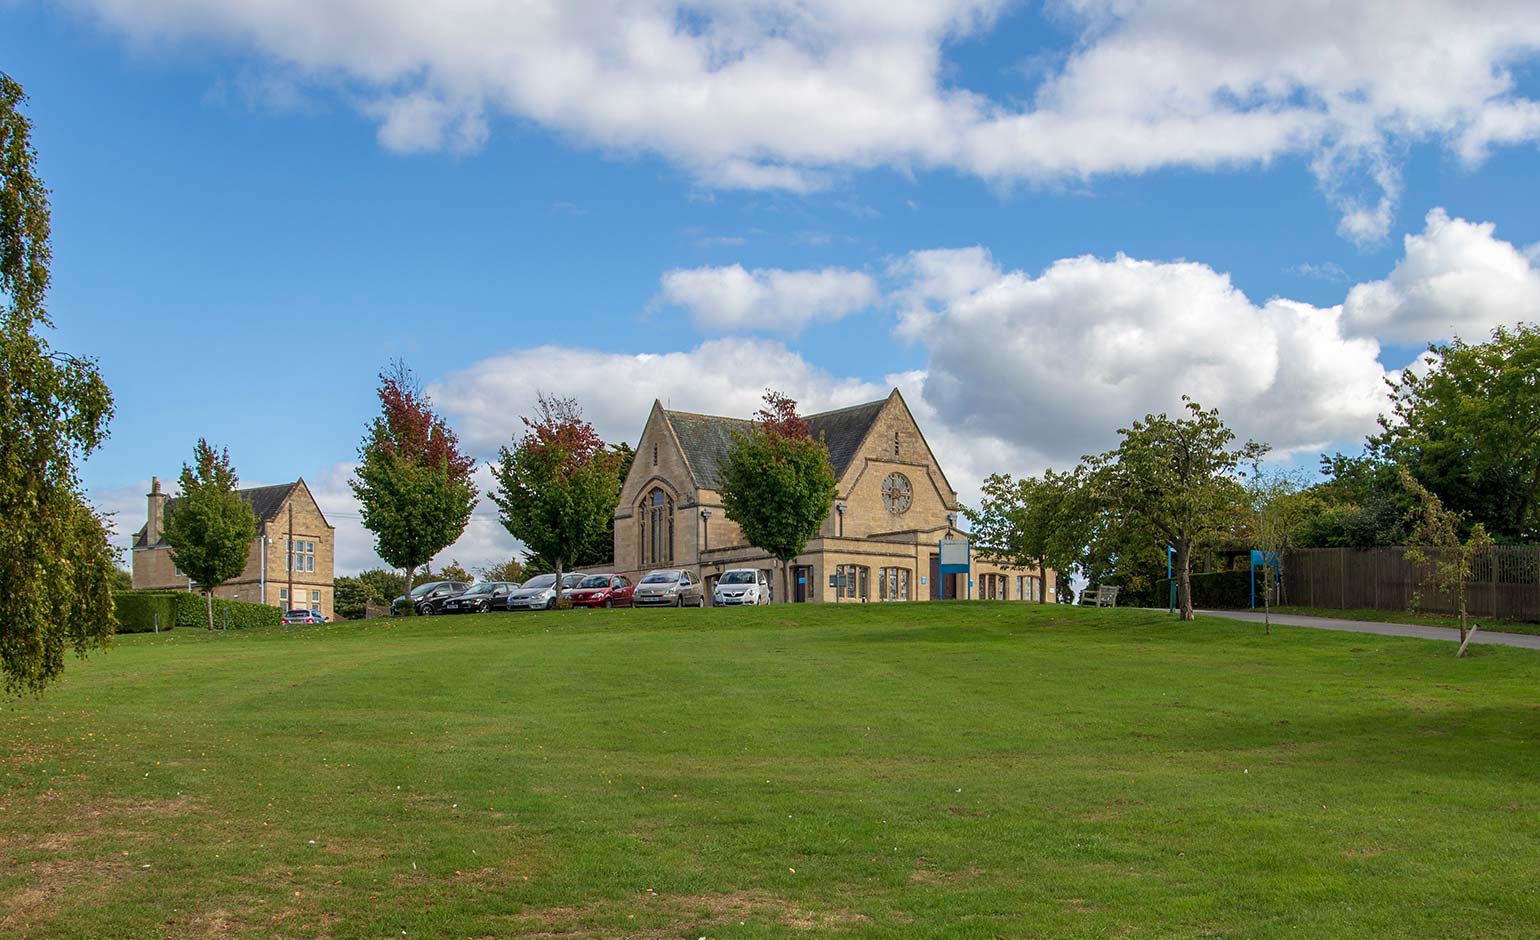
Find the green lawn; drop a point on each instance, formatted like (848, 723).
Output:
(1410, 616)
(921, 770)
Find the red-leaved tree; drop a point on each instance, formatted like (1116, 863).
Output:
(779, 417)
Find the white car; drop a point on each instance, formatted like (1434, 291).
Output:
(741, 586)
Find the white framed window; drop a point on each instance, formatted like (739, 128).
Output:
(301, 555)
(283, 594)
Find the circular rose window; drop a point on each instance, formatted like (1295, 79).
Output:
(897, 494)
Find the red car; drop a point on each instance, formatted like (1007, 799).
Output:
(602, 590)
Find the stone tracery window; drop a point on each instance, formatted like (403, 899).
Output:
(657, 516)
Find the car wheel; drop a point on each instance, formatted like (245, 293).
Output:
(550, 604)
(700, 601)
(608, 603)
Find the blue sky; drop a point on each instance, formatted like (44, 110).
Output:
(257, 205)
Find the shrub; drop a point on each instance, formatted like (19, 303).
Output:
(137, 609)
(1218, 590)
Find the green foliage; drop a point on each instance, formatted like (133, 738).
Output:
(415, 511)
(1281, 506)
(510, 570)
(378, 586)
(350, 597)
(1172, 482)
(136, 611)
(56, 564)
(1217, 590)
(1440, 547)
(1031, 522)
(412, 483)
(778, 488)
(1468, 428)
(210, 528)
(454, 571)
(1361, 504)
(557, 487)
(120, 580)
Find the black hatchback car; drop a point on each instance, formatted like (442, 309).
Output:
(480, 598)
(429, 597)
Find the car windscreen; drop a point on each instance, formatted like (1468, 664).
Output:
(487, 588)
(540, 582)
(571, 580)
(738, 577)
(422, 589)
(661, 577)
(595, 580)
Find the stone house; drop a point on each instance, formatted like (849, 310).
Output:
(289, 563)
(893, 506)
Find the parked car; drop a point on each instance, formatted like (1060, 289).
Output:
(741, 586)
(539, 592)
(302, 616)
(480, 598)
(428, 597)
(669, 587)
(602, 590)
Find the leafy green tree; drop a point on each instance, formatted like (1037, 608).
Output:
(778, 484)
(510, 570)
(1467, 426)
(350, 597)
(209, 527)
(383, 584)
(454, 571)
(1360, 504)
(413, 484)
(56, 563)
(120, 580)
(1439, 546)
(1026, 523)
(1281, 504)
(557, 487)
(1173, 481)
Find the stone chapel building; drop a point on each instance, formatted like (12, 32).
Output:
(892, 506)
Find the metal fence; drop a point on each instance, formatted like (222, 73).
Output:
(1504, 584)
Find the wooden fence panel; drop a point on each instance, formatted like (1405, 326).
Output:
(1504, 583)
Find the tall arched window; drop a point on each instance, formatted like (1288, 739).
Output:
(657, 528)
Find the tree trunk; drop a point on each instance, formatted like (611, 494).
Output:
(208, 603)
(785, 581)
(1184, 577)
(1042, 583)
(557, 603)
(1267, 590)
(411, 608)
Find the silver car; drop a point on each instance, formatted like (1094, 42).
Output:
(669, 587)
(539, 592)
(741, 586)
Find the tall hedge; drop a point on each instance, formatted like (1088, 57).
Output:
(137, 609)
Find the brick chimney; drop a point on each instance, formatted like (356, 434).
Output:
(156, 519)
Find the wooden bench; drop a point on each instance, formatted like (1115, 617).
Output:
(1105, 595)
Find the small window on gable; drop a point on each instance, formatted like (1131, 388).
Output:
(654, 455)
(895, 443)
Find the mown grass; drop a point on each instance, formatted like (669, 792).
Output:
(1410, 616)
(922, 770)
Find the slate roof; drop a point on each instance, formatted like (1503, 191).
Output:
(706, 438)
(265, 501)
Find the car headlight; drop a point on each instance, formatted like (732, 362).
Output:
(672, 589)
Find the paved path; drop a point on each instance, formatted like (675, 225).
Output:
(1384, 629)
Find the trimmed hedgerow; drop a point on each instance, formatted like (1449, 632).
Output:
(137, 610)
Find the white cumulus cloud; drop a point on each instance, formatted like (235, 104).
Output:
(1456, 277)
(791, 94)
(728, 299)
